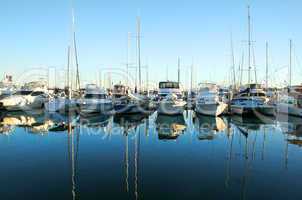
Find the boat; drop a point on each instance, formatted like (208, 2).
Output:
(208, 101)
(25, 99)
(95, 100)
(126, 102)
(251, 100)
(7, 87)
(290, 101)
(67, 103)
(170, 99)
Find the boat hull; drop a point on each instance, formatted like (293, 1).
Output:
(131, 108)
(214, 109)
(289, 110)
(253, 110)
(96, 108)
(170, 108)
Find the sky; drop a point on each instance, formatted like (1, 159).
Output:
(35, 34)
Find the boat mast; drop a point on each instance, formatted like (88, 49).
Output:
(191, 83)
(233, 62)
(249, 45)
(68, 73)
(178, 70)
(138, 20)
(128, 58)
(74, 48)
(290, 61)
(266, 76)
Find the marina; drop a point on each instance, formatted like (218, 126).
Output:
(141, 129)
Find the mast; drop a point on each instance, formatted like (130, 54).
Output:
(290, 61)
(74, 47)
(178, 70)
(139, 51)
(128, 57)
(147, 78)
(68, 73)
(233, 62)
(266, 76)
(78, 86)
(191, 83)
(249, 45)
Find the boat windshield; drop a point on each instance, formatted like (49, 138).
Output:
(172, 85)
(95, 96)
(23, 93)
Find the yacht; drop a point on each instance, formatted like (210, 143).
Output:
(25, 99)
(290, 101)
(170, 99)
(126, 102)
(208, 101)
(95, 100)
(7, 87)
(252, 100)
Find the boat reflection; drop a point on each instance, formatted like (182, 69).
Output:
(36, 122)
(21, 119)
(6, 130)
(292, 127)
(169, 127)
(95, 120)
(250, 124)
(130, 121)
(208, 126)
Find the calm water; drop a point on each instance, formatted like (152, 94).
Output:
(150, 157)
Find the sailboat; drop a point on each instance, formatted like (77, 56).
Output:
(290, 100)
(125, 100)
(69, 102)
(251, 98)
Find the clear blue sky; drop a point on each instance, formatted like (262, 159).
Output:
(36, 33)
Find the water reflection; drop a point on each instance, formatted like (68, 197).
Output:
(240, 156)
(208, 126)
(170, 127)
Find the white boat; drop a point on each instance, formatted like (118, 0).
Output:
(290, 101)
(25, 99)
(170, 99)
(95, 100)
(252, 100)
(126, 102)
(208, 101)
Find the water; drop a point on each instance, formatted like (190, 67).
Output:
(150, 157)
